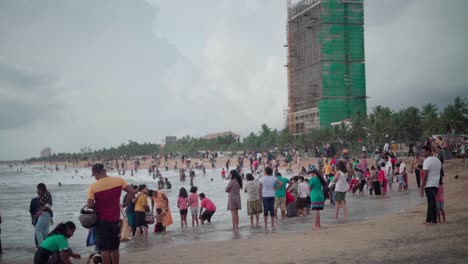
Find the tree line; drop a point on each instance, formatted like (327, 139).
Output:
(382, 125)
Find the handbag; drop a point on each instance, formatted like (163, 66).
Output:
(331, 185)
(87, 217)
(125, 231)
(149, 217)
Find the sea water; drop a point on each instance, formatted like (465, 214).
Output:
(17, 188)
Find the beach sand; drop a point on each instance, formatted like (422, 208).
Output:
(391, 238)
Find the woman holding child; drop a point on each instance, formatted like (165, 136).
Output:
(160, 200)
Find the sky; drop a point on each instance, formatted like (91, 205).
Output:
(96, 74)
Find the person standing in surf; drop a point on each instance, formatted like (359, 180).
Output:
(104, 197)
(44, 213)
(234, 199)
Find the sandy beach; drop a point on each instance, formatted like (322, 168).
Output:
(392, 238)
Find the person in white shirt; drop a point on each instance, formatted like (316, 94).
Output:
(430, 178)
(302, 192)
(389, 172)
(403, 172)
(386, 146)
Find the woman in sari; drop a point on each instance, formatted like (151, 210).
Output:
(160, 200)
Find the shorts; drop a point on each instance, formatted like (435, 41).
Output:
(207, 215)
(140, 219)
(301, 203)
(107, 235)
(183, 211)
(280, 202)
(42, 255)
(194, 210)
(268, 206)
(440, 205)
(254, 207)
(340, 196)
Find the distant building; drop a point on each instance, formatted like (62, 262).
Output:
(221, 134)
(326, 63)
(46, 152)
(170, 140)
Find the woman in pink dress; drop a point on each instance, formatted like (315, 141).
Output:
(234, 199)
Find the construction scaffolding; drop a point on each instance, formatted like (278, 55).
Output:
(326, 71)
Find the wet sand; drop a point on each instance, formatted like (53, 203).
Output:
(391, 238)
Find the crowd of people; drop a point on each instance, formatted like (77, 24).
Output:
(267, 192)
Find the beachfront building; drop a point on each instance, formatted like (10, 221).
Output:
(326, 71)
(222, 134)
(170, 140)
(46, 152)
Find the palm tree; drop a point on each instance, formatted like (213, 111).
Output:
(430, 120)
(452, 119)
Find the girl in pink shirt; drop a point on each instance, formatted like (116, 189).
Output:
(382, 179)
(182, 204)
(193, 203)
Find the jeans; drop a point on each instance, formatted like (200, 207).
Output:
(418, 177)
(431, 204)
(269, 206)
(42, 227)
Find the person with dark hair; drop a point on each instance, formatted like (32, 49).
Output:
(254, 203)
(55, 249)
(302, 192)
(374, 179)
(104, 197)
(168, 184)
(160, 200)
(182, 204)
(341, 187)
(268, 186)
(33, 208)
(430, 179)
(130, 211)
(141, 207)
(280, 196)
(44, 213)
(234, 198)
(159, 227)
(417, 169)
(193, 204)
(209, 207)
(383, 178)
(317, 199)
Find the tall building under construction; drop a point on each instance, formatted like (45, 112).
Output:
(326, 71)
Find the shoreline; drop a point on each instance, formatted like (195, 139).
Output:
(389, 238)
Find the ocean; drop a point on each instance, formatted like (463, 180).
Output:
(17, 188)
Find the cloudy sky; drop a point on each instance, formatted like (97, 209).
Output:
(98, 73)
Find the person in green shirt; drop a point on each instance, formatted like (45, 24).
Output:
(280, 196)
(54, 249)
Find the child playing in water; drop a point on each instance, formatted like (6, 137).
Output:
(210, 209)
(182, 204)
(159, 217)
(193, 203)
(401, 182)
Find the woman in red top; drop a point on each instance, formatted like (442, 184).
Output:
(382, 178)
